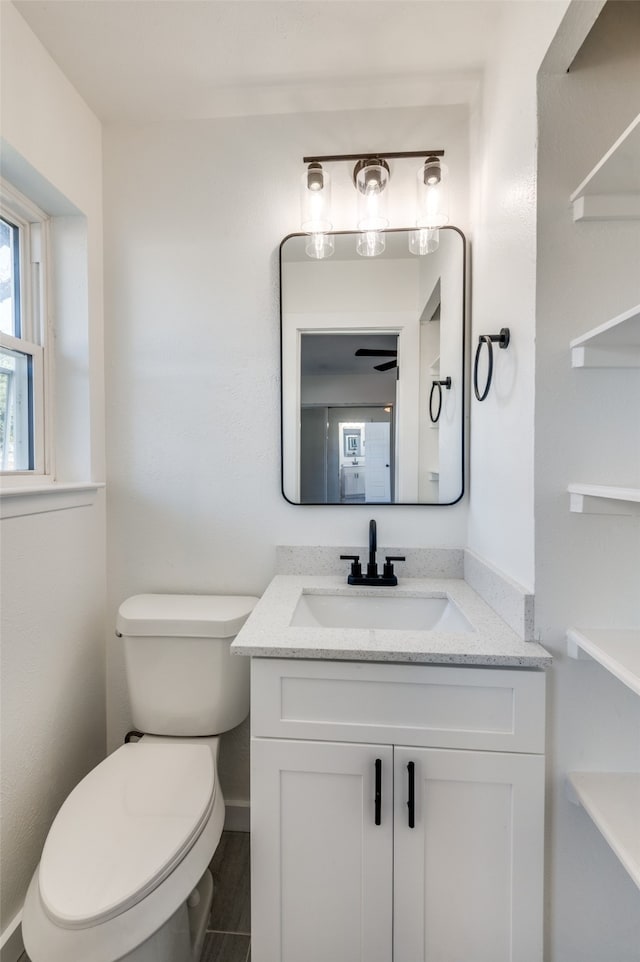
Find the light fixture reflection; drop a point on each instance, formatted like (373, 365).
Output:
(424, 240)
(320, 245)
(370, 243)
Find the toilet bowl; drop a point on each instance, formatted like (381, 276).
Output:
(124, 875)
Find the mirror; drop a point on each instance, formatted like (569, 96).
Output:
(372, 353)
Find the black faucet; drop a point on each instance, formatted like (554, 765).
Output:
(387, 579)
(372, 567)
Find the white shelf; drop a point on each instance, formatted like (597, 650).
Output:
(434, 367)
(603, 499)
(611, 191)
(612, 801)
(616, 343)
(616, 649)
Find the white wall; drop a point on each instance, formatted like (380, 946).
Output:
(194, 215)
(53, 564)
(501, 519)
(587, 429)
(195, 212)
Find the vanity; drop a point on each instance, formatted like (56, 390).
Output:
(397, 727)
(397, 775)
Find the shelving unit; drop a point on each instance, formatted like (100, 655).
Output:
(603, 499)
(616, 343)
(616, 649)
(611, 191)
(612, 801)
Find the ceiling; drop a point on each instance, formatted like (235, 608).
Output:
(336, 354)
(150, 60)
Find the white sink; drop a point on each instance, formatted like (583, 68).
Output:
(396, 612)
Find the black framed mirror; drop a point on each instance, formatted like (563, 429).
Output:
(373, 372)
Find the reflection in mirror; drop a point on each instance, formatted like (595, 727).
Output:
(363, 341)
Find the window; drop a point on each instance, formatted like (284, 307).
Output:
(23, 234)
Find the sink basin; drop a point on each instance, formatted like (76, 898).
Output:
(396, 612)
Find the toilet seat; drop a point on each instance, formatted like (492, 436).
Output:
(124, 829)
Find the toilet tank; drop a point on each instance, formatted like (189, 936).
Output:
(181, 675)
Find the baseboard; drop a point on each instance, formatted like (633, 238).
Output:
(236, 817)
(11, 944)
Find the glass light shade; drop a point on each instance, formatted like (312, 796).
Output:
(432, 185)
(320, 245)
(424, 240)
(370, 243)
(315, 200)
(372, 180)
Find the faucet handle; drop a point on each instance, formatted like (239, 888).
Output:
(356, 567)
(388, 567)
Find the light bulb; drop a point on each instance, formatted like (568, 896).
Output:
(315, 200)
(371, 180)
(432, 187)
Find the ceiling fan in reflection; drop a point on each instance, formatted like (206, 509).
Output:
(370, 352)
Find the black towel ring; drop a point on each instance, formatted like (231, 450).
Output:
(503, 341)
(438, 384)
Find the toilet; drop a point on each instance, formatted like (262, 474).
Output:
(123, 875)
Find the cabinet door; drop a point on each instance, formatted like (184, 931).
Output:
(321, 868)
(469, 875)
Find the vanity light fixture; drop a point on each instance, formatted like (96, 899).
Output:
(315, 209)
(432, 206)
(371, 179)
(371, 176)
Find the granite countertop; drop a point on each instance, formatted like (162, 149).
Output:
(268, 632)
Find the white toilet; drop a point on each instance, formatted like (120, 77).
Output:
(124, 870)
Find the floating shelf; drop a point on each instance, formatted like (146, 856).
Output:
(616, 343)
(434, 367)
(616, 649)
(612, 801)
(611, 191)
(604, 499)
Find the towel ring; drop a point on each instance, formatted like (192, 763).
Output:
(502, 339)
(438, 384)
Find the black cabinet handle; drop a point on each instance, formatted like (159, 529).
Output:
(411, 803)
(378, 796)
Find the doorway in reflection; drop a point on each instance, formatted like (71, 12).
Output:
(347, 455)
(347, 417)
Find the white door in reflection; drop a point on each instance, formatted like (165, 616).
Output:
(377, 451)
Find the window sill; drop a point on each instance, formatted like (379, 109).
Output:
(18, 501)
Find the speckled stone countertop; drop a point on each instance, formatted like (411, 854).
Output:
(268, 632)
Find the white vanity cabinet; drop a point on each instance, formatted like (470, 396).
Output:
(339, 874)
(352, 481)
(322, 883)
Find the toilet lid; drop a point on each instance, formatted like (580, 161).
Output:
(123, 829)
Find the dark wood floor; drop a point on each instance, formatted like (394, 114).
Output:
(228, 937)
